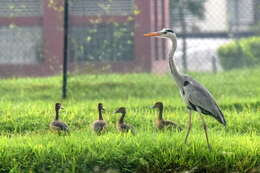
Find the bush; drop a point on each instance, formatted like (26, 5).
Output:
(241, 53)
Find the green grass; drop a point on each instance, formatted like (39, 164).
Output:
(27, 107)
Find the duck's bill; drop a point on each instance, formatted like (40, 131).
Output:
(152, 34)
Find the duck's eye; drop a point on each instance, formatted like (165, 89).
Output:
(165, 32)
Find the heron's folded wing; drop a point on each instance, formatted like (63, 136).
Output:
(201, 97)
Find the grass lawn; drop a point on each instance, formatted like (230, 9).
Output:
(27, 108)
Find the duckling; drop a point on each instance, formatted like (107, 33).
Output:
(160, 122)
(99, 125)
(57, 124)
(121, 126)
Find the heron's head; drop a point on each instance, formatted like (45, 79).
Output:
(58, 106)
(121, 110)
(100, 107)
(164, 33)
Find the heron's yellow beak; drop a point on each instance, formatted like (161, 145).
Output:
(152, 34)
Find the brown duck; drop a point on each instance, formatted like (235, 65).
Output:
(99, 125)
(121, 125)
(160, 122)
(57, 124)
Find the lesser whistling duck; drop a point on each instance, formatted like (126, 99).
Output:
(99, 125)
(160, 122)
(121, 126)
(57, 124)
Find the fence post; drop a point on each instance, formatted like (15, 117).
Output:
(65, 49)
(184, 31)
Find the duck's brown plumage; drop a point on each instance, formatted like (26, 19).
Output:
(99, 125)
(160, 122)
(57, 124)
(121, 125)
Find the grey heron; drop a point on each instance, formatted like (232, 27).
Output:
(196, 96)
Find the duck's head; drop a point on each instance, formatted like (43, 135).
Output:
(58, 106)
(164, 33)
(158, 105)
(100, 107)
(121, 110)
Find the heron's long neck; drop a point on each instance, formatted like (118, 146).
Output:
(100, 114)
(177, 76)
(57, 114)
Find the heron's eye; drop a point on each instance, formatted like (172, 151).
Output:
(168, 30)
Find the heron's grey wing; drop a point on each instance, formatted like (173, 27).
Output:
(200, 98)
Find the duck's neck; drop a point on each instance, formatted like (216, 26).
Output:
(57, 114)
(160, 113)
(100, 114)
(177, 76)
(121, 120)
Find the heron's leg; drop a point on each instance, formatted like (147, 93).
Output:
(206, 131)
(189, 127)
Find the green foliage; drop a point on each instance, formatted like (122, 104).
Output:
(27, 107)
(196, 8)
(102, 42)
(241, 53)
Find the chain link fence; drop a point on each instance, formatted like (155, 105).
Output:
(106, 35)
(207, 27)
(20, 44)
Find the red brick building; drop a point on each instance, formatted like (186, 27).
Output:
(31, 34)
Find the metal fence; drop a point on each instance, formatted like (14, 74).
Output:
(106, 35)
(205, 25)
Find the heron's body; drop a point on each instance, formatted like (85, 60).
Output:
(199, 99)
(196, 97)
